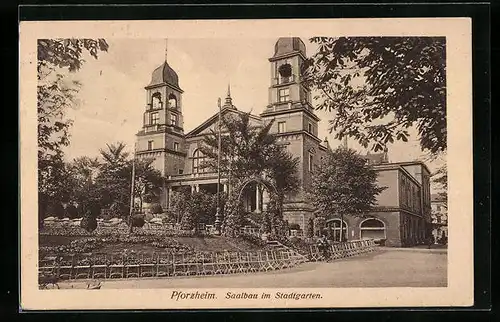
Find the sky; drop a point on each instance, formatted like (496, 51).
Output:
(112, 98)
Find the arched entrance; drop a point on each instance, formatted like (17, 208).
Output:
(372, 228)
(269, 218)
(259, 184)
(333, 228)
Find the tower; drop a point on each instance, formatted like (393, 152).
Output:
(295, 123)
(162, 135)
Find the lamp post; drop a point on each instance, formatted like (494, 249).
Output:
(218, 220)
(131, 213)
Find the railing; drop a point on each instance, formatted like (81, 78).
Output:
(187, 176)
(341, 250)
(285, 80)
(151, 128)
(108, 266)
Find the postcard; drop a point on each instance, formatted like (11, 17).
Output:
(296, 163)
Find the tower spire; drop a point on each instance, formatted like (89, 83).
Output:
(166, 49)
(229, 100)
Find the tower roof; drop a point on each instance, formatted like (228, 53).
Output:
(164, 74)
(289, 45)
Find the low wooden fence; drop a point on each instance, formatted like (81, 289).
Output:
(108, 266)
(341, 250)
(105, 266)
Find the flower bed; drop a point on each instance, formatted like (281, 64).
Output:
(118, 230)
(93, 244)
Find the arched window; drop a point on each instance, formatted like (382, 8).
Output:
(333, 225)
(372, 228)
(156, 101)
(198, 161)
(172, 101)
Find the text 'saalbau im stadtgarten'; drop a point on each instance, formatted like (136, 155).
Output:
(178, 295)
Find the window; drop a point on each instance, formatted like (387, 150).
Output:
(438, 207)
(281, 127)
(311, 161)
(198, 160)
(150, 145)
(373, 228)
(173, 119)
(172, 101)
(181, 171)
(284, 95)
(310, 128)
(156, 101)
(176, 146)
(155, 118)
(334, 226)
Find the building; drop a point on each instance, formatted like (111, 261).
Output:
(178, 157)
(402, 214)
(439, 218)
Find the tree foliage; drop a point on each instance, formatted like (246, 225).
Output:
(55, 94)
(250, 150)
(343, 184)
(440, 178)
(191, 209)
(114, 180)
(67, 53)
(378, 87)
(83, 173)
(148, 181)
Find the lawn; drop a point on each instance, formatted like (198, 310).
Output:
(58, 244)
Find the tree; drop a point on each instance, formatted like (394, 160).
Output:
(378, 87)
(148, 181)
(114, 180)
(84, 171)
(440, 178)
(343, 184)
(54, 96)
(178, 203)
(250, 150)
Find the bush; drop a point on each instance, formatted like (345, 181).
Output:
(188, 221)
(89, 223)
(148, 217)
(253, 239)
(138, 220)
(58, 210)
(71, 212)
(156, 208)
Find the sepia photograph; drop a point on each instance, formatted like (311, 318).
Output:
(295, 162)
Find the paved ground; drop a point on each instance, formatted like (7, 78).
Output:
(388, 267)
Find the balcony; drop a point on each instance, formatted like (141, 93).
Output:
(151, 128)
(285, 80)
(190, 176)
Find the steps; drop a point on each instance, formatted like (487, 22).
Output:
(276, 245)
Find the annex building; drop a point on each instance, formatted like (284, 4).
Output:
(404, 207)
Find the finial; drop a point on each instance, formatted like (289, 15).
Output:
(229, 100)
(166, 48)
